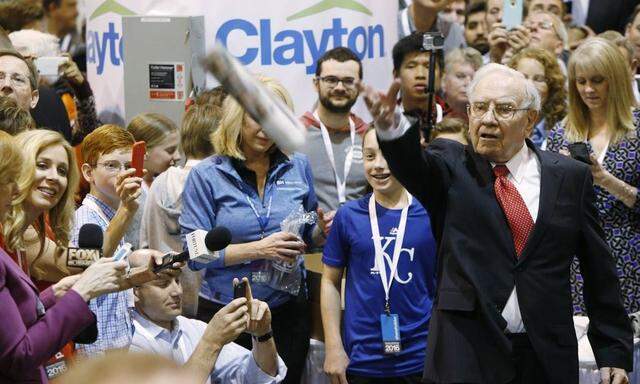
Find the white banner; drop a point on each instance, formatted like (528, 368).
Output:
(277, 38)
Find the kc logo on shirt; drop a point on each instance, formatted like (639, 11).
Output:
(388, 244)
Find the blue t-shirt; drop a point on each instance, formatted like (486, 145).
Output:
(350, 245)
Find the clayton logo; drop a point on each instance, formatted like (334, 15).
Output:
(101, 43)
(290, 46)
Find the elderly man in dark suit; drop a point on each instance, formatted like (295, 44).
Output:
(508, 220)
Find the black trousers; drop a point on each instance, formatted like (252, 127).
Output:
(528, 367)
(291, 324)
(409, 379)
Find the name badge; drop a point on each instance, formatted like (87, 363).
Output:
(390, 333)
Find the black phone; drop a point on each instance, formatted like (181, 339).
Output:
(240, 289)
(580, 152)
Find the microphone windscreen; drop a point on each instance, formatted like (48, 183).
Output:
(90, 236)
(218, 238)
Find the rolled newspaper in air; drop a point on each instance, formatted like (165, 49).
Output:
(266, 109)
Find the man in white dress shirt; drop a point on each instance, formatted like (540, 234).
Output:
(206, 349)
(508, 220)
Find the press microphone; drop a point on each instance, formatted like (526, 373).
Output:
(202, 246)
(89, 248)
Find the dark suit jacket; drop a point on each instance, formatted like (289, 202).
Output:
(29, 338)
(477, 266)
(604, 15)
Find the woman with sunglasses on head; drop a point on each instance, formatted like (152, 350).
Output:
(603, 117)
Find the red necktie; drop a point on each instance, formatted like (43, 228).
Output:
(518, 216)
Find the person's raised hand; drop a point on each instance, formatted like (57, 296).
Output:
(381, 106)
(259, 319)
(228, 323)
(70, 71)
(498, 42)
(280, 246)
(103, 276)
(519, 38)
(129, 188)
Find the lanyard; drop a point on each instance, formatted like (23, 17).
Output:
(263, 221)
(341, 185)
(377, 244)
(152, 341)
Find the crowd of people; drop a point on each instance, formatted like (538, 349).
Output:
(458, 239)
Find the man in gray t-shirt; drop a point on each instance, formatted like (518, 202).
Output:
(334, 134)
(422, 15)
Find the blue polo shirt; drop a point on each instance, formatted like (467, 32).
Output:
(216, 194)
(350, 245)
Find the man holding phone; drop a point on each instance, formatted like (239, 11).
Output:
(207, 350)
(507, 35)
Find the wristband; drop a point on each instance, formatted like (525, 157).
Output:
(263, 338)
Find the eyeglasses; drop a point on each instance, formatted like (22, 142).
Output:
(332, 81)
(500, 111)
(16, 79)
(546, 25)
(114, 166)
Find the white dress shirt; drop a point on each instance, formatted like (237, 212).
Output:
(579, 11)
(234, 365)
(524, 173)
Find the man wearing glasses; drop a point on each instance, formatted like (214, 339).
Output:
(549, 33)
(508, 220)
(18, 79)
(334, 133)
(111, 204)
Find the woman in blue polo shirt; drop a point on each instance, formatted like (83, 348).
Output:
(250, 187)
(384, 241)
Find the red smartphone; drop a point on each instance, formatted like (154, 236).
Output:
(137, 157)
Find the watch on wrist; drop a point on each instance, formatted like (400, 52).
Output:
(263, 338)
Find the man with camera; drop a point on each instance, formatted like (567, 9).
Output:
(411, 62)
(207, 350)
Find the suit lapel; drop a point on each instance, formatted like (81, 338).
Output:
(550, 181)
(17, 271)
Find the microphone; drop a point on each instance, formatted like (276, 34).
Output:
(89, 248)
(202, 246)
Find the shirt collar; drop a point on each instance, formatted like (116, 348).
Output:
(104, 207)
(516, 165)
(156, 330)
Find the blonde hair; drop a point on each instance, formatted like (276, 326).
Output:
(152, 128)
(227, 138)
(60, 216)
(603, 57)
(466, 55)
(11, 159)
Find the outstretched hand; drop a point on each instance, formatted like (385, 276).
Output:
(382, 106)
